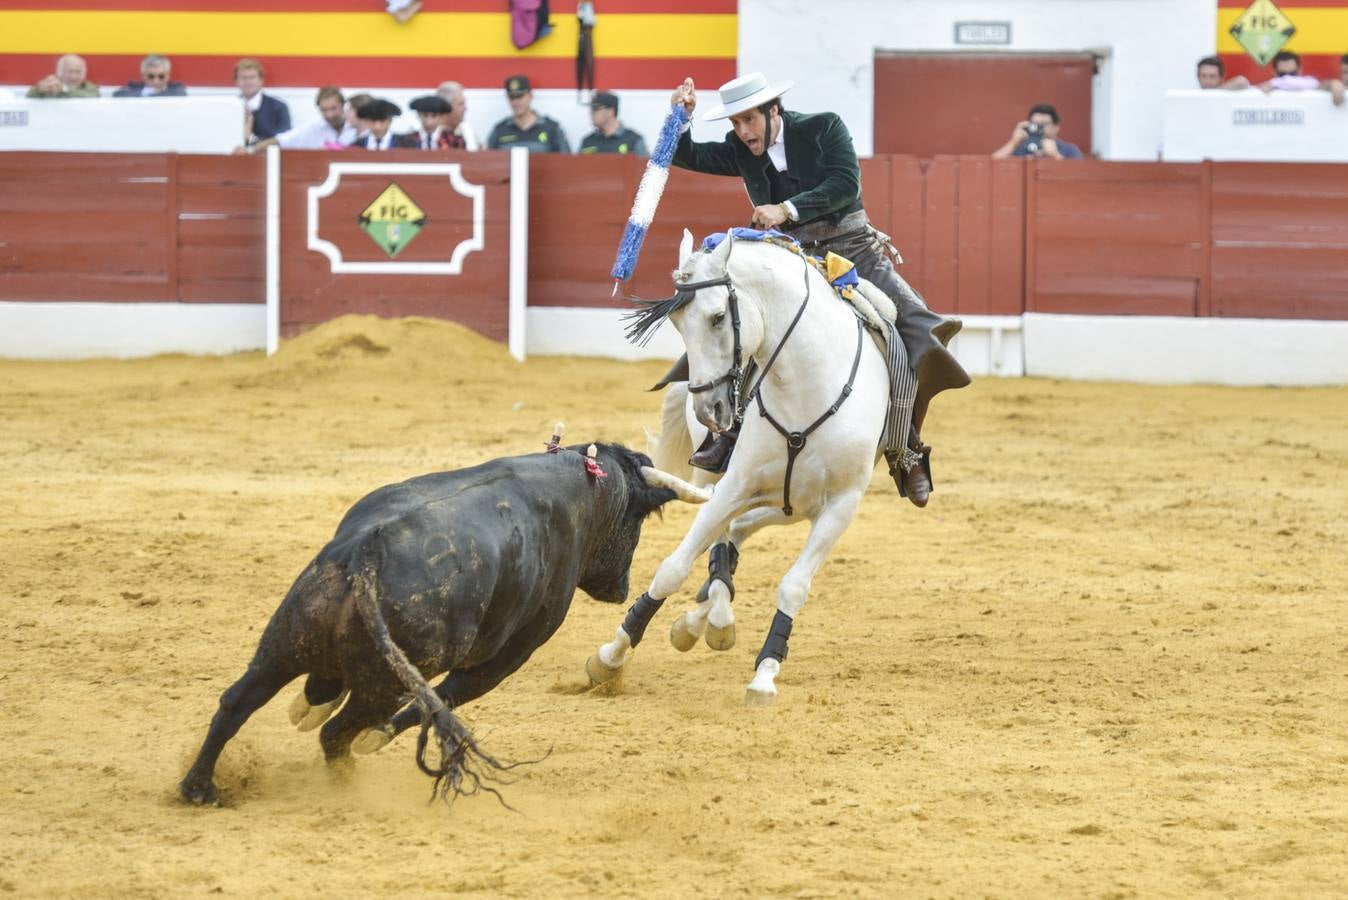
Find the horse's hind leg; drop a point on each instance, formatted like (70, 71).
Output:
(713, 613)
(794, 588)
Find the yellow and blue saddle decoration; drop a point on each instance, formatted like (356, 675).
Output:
(642, 322)
(840, 271)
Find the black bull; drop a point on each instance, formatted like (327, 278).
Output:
(465, 572)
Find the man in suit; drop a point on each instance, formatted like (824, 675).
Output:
(154, 74)
(268, 115)
(802, 176)
(377, 116)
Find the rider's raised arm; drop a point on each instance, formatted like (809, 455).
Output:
(837, 158)
(708, 157)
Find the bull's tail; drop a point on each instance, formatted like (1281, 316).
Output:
(670, 449)
(464, 766)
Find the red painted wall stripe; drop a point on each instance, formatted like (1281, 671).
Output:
(309, 71)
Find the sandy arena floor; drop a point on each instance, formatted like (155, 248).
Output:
(1109, 660)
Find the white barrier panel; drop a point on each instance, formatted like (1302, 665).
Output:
(123, 124)
(988, 345)
(126, 330)
(1253, 126)
(1164, 350)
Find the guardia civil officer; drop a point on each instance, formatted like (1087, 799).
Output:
(610, 135)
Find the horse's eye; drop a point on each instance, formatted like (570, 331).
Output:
(717, 319)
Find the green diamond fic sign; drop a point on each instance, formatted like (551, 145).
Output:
(392, 220)
(1263, 30)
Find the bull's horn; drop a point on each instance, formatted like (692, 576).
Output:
(685, 491)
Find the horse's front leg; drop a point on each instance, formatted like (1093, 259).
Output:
(827, 527)
(711, 521)
(713, 613)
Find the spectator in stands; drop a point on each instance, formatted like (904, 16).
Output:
(268, 116)
(1038, 136)
(432, 135)
(402, 10)
(609, 135)
(1287, 77)
(378, 116)
(331, 127)
(154, 73)
(1212, 76)
(454, 121)
(69, 80)
(525, 127)
(353, 104)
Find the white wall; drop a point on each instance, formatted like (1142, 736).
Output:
(828, 49)
(122, 125)
(1251, 125)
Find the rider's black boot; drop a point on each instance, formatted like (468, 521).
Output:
(714, 454)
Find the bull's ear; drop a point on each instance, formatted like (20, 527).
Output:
(685, 247)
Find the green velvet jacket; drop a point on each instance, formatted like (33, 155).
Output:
(819, 154)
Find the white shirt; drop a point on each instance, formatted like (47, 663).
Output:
(777, 155)
(370, 142)
(255, 103)
(314, 135)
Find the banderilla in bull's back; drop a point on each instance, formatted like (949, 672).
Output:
(431, 576)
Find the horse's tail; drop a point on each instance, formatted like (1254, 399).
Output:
(670, 449)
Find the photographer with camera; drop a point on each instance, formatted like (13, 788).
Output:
(1038, 136)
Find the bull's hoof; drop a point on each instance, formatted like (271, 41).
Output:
(371, 739)
(599, 672)
(681, 636)
(721, 638)
(199, 794)
(306, 718)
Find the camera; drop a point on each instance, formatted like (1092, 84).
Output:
(1034, 138)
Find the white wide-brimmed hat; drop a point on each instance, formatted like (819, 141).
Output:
(746, 92)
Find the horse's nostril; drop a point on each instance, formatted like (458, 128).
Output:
(717, 410)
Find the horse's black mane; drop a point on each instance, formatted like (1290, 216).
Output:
(643, 322)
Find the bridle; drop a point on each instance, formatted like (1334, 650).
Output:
(795, 440)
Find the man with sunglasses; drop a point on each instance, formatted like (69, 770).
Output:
(154, 72)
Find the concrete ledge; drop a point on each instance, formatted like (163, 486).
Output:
(579, 331)
(1164, 350)
(991, 345)
(124, 330)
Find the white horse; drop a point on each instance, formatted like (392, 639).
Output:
(808, 444)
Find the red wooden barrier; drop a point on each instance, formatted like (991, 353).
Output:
(979, 236)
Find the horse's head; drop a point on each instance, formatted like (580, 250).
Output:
(720, 331)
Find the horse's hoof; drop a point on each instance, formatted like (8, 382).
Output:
(758, 698)
(315, 715)
(681, 636)
(371, 739)
(200, 794)
(599, 672)
(721, 638)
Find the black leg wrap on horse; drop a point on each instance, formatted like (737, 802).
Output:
(775, 646)
(639, 616)
(721, 566)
